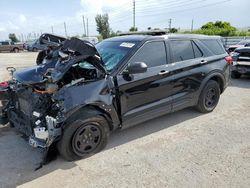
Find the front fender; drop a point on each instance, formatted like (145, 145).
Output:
(95, 94)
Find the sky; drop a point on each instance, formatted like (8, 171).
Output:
(29, 17)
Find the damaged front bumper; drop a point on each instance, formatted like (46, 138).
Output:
(31, 115)
(43, 137)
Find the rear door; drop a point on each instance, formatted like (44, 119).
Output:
(146, 95)
(185, 56)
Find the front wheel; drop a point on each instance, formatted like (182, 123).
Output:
(34, 50)
(83, 138)
(209, 97)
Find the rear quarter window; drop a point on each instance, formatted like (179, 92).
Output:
(214, 46)
(197, 52)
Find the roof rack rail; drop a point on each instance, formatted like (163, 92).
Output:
(150, 32)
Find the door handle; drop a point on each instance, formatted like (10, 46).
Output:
(163, 72)
(203, 61)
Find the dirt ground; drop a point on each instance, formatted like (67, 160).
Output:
(183, 149)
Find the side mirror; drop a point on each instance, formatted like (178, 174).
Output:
(136, 67)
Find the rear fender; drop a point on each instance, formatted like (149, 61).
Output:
(217, 76)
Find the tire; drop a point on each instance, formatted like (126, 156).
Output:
(235, 75)
(80, 134)
(34, 49)
(209, 97)
(15, 50)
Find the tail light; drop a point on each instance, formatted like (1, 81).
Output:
(229, 59)
(4, 84)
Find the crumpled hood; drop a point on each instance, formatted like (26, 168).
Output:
(33, 75)
(81, 49)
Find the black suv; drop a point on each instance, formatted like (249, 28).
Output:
(79, 93)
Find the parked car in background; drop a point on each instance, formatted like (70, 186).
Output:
(44, 41)
(93, 40)
(241, 62)
(81, 92)
(243, 43)
(27, 44)
(7, 46)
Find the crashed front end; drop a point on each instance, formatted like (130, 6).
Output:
(31, 100)
(32, 113)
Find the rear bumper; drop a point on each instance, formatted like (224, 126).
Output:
(242, 68)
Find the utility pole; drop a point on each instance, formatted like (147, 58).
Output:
(192, 25)
(169, 24)
(134, 14)
(22, 37)
(84, 26)
(87, 27)
(65, 29)
(52, 29)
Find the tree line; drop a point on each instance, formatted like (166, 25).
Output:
(211, 28)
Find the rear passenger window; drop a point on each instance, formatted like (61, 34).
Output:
(197, 51)
(152, 53)
(5, 43)
(181, 50)
(214, 46)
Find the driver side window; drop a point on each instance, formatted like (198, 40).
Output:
(151, 53)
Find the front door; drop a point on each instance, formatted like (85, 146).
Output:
(146, 95)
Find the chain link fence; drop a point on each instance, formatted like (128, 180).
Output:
(233, 40)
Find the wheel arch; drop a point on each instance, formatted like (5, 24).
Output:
(216, 76)
(15, 48)
(88, 111)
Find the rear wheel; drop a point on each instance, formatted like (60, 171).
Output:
(235, 75)
(209, 97)
(16, 50)
(83, 138)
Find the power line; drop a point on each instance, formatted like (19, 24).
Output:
(173, 5)
(152, 13)
(194, 8)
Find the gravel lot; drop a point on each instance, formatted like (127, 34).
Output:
(183, 149)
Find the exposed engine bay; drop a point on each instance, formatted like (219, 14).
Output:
(32, 99)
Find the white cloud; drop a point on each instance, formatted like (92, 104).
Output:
(93, 7)
(2, 29)
(12, 26)
(22, 18)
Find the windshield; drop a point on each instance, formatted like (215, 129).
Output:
(112, 52)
